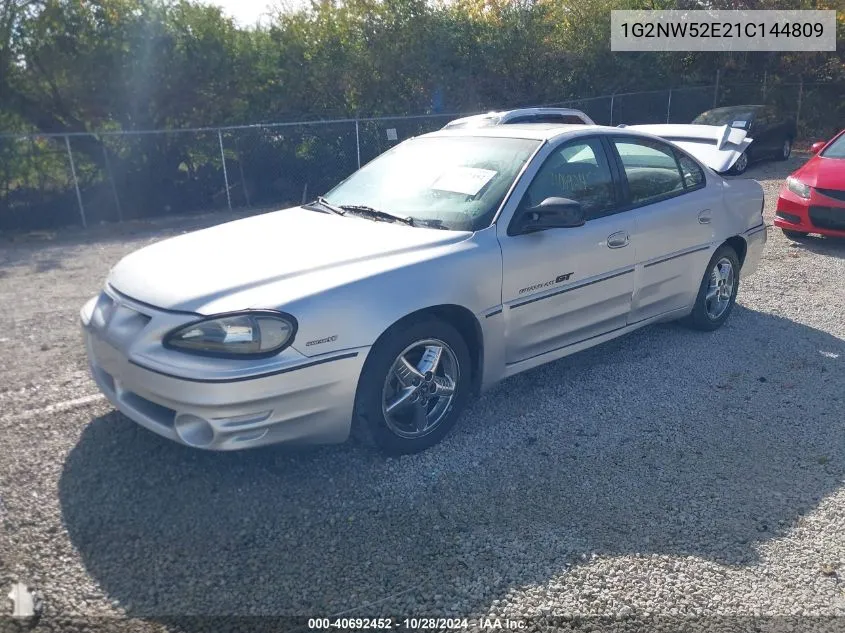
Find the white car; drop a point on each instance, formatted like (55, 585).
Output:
(445, 265)
(560, 116)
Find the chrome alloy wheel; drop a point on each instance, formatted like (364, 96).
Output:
(786, 150)
(741, 163)
(419, 388)
(721, 288)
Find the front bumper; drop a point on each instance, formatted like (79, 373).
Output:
(305, 400)
(818, 214)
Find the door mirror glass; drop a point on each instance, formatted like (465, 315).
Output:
(816, 147)
(552, 213)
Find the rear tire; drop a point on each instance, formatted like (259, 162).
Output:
(717, 292)
(740, 165)
(785, 150)
(403, 403)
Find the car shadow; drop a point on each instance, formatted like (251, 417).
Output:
(665, 442)
(820, 244)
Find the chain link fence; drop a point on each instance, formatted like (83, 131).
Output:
(50, 181)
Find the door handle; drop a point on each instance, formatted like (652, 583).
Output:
(705, 216)
(617, 240)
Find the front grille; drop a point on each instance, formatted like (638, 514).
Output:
(836, 194)
(828, 218)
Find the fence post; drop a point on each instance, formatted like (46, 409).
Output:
(241, 169)
(716, 88)
(76, 183)
(111, 180)
(358, 142)
(800, 99)
(611, 108)
(225, 174)
(669, 106)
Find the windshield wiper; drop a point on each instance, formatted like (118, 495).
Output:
(430, 224)
(362, 209)
(321, 204)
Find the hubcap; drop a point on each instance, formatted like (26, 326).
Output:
(419, 388)
(787, 148)
(721, 288)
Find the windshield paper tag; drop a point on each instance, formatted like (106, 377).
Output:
(466, 180)
(739, 123)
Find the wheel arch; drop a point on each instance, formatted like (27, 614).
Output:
(464, 321)
(739, 245)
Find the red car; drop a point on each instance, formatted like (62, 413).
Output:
(813, 198)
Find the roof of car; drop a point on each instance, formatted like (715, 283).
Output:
(504, 116)
(536, 131)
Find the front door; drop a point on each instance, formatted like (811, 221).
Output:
(562, 286)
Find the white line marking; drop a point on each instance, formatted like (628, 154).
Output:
(56, 407)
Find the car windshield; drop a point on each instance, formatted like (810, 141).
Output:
(455, 183)
(835, 149)
(735, 117)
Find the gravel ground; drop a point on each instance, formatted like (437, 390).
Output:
(667, 474)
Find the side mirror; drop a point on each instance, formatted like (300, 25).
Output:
(551, 213)
(816, 147)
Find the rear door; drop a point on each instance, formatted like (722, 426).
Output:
(781, 130)
(667, 195)
(764, 133)
(566, 285)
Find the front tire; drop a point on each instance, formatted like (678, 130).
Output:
(413, 388)
(717, 292)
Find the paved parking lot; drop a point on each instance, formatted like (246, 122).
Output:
(667, 473)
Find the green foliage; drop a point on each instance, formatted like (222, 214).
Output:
(93, 65)
(140, 64)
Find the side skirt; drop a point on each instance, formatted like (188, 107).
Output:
(547, 357)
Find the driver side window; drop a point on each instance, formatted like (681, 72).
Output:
(578, 171)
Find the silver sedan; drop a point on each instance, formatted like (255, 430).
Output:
(447, 264)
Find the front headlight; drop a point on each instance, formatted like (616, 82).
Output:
(238, 335)
(798, 188)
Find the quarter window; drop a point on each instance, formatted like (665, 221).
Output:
(651, 169)
(578, 171)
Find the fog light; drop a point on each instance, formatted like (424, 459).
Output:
(193, 430)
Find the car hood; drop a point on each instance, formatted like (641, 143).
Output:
(716, 146)
(823, 173)
(299, 252)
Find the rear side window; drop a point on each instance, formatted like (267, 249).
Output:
(651, 169)
(691, 172)
(562, 119)
(567, 119)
